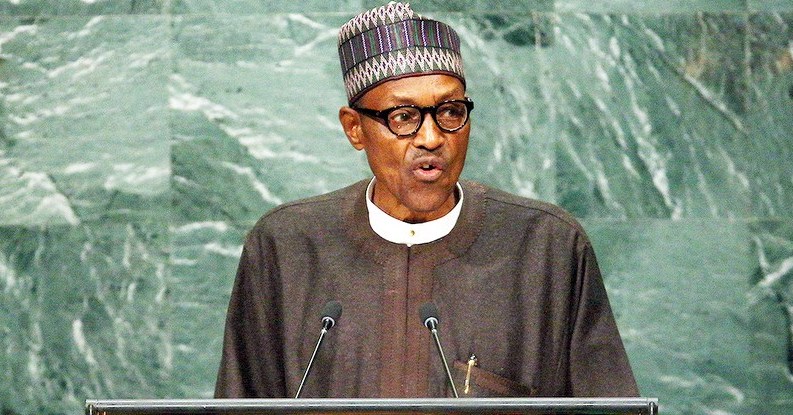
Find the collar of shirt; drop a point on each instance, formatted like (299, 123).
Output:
(398, 232)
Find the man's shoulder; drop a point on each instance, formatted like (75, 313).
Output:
(523, 207)
(313, 210)
(314, 202)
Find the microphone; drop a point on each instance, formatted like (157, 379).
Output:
(330, 314)
(429, 317)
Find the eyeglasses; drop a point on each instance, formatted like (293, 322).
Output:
(406, 120)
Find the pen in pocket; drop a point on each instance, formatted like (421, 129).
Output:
(471, 363)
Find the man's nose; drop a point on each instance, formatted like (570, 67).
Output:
(429, 136)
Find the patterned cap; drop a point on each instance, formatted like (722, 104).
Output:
(391, 42)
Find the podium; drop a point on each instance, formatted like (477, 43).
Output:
(572, 406)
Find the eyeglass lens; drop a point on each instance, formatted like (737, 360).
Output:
(450, 116)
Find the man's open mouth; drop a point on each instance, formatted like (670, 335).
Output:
(428, 169)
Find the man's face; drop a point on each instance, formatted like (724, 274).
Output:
(415, 175)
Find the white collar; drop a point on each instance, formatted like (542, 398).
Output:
(398, 232)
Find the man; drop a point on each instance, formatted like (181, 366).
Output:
(522, 303)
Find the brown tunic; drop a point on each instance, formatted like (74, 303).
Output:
(516, 283)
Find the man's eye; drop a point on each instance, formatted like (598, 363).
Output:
(451, 111)
(401, 116)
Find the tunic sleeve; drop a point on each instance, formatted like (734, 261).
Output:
(251, 363)
(598, 363)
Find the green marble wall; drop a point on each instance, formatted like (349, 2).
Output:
(139, 140)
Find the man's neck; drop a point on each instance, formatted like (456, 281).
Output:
(408, 233)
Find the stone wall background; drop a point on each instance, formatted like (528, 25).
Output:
(139, 140)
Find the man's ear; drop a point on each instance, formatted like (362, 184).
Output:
(351, 123)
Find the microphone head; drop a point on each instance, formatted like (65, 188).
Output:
(429, 315)
(331, 313)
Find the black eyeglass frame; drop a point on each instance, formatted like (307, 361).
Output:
(382, 116)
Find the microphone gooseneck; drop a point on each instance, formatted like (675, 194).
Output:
(429, 317)
(330, 314)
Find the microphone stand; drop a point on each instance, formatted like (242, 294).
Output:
(311, 361)
(330, 314)
(434, 331)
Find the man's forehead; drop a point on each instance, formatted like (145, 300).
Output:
(420, 89)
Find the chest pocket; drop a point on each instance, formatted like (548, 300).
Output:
(483, 383)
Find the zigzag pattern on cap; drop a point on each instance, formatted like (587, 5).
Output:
(390, 13)
(402, 62)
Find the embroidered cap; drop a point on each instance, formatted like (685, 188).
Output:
(391, 42)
